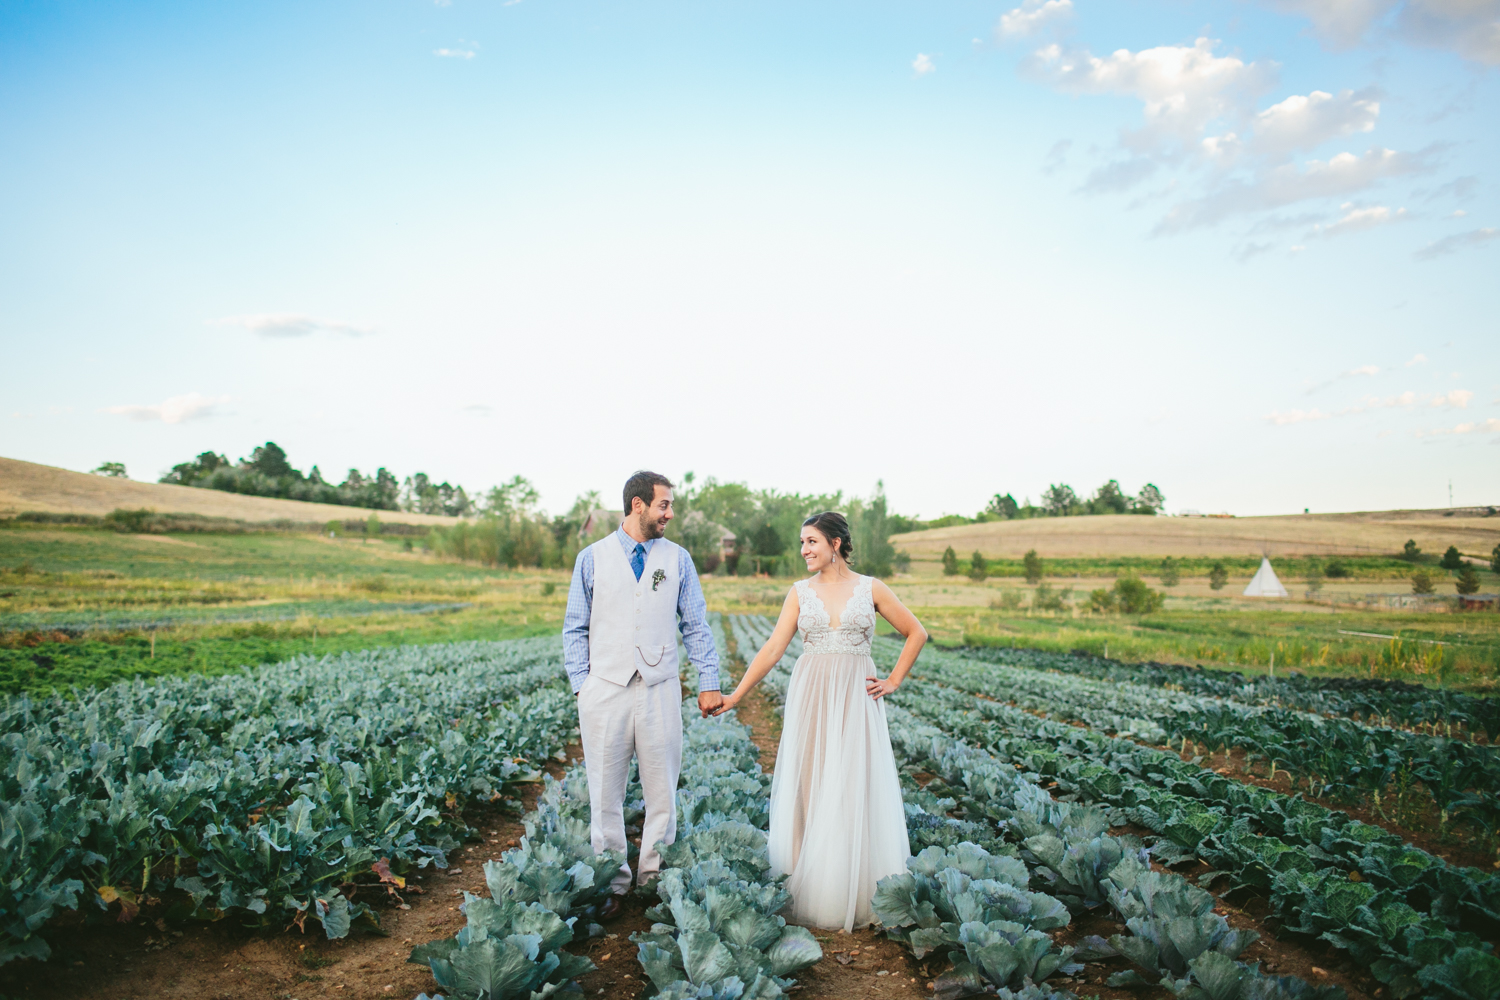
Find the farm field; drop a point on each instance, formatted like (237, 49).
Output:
(87, 606)
(1060, 824)
(84, 606)
(1378, 533)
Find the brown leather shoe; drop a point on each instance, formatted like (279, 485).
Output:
(610, 908)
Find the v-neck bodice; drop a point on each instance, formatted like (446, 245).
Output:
(856, 626)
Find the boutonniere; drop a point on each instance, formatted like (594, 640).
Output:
(657, 578)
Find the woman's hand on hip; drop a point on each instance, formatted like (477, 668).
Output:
(879, 687)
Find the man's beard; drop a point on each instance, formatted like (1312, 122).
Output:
(650, 526)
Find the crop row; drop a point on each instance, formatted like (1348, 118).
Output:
(270, 793)
(1333, 756)
(511, 945)
(1382, 702)
(716, 933)
(990, 907)
(1417, 921)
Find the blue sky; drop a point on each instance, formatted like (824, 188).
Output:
(1237, 249)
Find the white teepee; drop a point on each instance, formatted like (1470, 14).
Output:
(1264, 582)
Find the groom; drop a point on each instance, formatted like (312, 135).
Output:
(631, 593)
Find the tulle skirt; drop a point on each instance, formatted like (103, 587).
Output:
(837, 824)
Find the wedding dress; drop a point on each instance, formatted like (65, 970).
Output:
(837, 824)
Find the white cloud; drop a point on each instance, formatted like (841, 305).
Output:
(1304, 122)
(1417, 359)
(292, 325)
(1359, 219)
(1458, 399)
(1490, 425)
(1344, 174)
(454, 53)
(922, 65)
(1460, 189)
(192, 406)
(1456, 242)
(1057, 156)
(1362, 370)
(1184, 88)
(1032, 16)
(1199, 109)
(1296, 416)
(1341, 23)
(1469, 27)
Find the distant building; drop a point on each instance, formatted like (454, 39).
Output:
(598, 519)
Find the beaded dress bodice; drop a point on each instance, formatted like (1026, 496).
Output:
(856, 624)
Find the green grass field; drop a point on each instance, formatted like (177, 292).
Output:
(315, 585)
(71, 575)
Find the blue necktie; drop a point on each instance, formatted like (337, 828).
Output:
(638, 561)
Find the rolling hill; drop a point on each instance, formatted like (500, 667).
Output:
(27, 486)
(1472, 529)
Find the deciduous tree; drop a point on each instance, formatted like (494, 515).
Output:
(1031, 564)
(1148, 501)
(1060, 500)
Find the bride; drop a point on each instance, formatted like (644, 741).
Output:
(837, 823)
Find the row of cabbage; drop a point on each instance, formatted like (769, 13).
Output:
(1327, 756)
(1419, 922)
(512, 942)
(1384, 702)
(988, 891)
(267, 794)
(716, 931)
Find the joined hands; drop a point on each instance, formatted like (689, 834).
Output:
(710, 703)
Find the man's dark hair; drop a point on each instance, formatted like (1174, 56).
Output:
(643, 484)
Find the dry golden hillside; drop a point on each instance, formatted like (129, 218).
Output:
(1370, 533)
(26, 486)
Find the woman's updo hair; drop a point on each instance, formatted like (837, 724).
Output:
(833, 526)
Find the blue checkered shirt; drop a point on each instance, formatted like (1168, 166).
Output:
(692, 616)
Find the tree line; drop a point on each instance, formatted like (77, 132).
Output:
(1058, 500)
(268, 473)
(765, 526)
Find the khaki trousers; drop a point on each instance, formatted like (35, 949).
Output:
(617, 723)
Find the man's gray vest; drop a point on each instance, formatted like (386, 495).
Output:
(633, 623)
